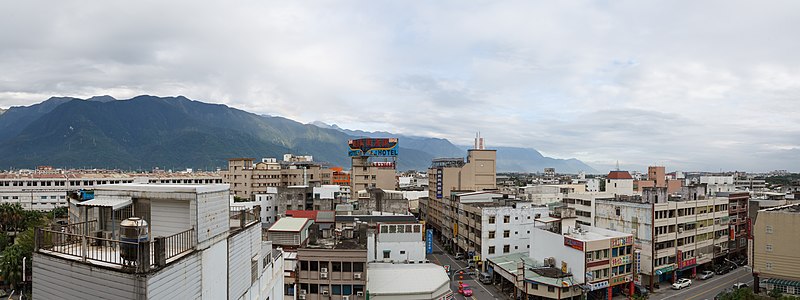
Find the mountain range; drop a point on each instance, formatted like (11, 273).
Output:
(175, 132)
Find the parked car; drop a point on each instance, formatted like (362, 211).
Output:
(638, 290)
(739, 285)
(681, 283)
(706, 275)
(723, 270)
(485, 278)
(459, 255)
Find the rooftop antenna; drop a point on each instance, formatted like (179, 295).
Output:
(617, 165)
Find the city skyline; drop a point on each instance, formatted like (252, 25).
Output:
(691, 86)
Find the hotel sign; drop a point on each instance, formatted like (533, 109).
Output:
(373, 147)
(573, 243)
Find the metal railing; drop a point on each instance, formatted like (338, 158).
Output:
(132, 256)
(83, 228)
(179, 243)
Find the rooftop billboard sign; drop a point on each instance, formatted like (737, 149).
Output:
(379, 147)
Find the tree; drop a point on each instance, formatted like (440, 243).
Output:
(11, 260)
(775, 293)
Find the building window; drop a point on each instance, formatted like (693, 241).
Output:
(491, 249)
(769, 228)
(768, 266)
(386, 253)
(551, 289)
(506, 248)
(506, 219)
(491, 234)
(769, 247)
(491, 220)
(314, 266)
(506, 233)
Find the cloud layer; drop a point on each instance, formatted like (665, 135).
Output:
(694, 86)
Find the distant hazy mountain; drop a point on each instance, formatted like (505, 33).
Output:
(175, 132)
(509, 159)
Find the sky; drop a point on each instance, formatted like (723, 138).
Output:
(692, 85)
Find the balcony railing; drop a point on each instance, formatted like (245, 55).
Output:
(129, 256)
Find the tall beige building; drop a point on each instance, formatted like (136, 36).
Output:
(446, 175)
(247, 178)
(366, 174)
(774, 256)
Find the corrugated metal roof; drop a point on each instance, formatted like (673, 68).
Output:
(405, 279)
(114, 202)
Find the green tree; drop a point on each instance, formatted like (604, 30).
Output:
(775, 293)
(11, 260)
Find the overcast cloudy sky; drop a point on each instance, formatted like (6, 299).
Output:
(693, 85)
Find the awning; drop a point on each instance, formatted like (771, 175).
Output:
(783, 282)
(115, 203)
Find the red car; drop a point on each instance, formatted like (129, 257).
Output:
(465, 290)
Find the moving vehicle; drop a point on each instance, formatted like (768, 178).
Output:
(485, 278)
(465, 290)
(706, 275)
(739, 285)
(681, 283)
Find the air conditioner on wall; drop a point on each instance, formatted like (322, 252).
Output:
(357, 276)
(323, 275)
(301, 297)
(324, 293)
(323, 270)
(359, 294)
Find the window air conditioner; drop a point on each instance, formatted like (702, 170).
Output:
(323, 275)
(357, 276)
(323, 270)
(359, 294)
(345, 297)
(303, 292)
(324, 293)
(301, 297)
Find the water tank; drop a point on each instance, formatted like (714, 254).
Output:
(133, 230)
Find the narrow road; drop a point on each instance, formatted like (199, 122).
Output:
(706, 289)
(480, 291)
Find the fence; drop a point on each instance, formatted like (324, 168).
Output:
(132, 256)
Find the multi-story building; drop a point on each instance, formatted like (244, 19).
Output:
(714, 183)
(373, 163)
(675, 234)
(248, 179)
(738, 203)
(619, 183)
(656, 177)
(333, 268)
(396, 243)
(584, 205)
(46, 188)
(774, 256)
(495, 228)
(447, 175)
(548, 193)
(145, 241)
(375, 200)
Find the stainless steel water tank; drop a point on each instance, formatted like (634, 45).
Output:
(133, 231)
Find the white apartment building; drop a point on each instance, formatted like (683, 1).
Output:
(619, 183)
(584, 205)
(269, 206)
(492, 229)
(715, 183)
(45, 189)
(689, 230)
(184, 243)
(397, 243)
(548, 193)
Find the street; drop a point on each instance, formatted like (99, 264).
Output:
(703, 289)
(480, 291)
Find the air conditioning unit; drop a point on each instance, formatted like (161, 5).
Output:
(357, 276)
(680, 230)
(325, 293)
(345, 297)
(323, 270)
(323, 275)
(360, 294)
(303, 292)
(301, 297)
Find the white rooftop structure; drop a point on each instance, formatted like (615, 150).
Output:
(407, 281)
(289, 224)
(164, 188)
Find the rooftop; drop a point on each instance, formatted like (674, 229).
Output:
(589, 233)
(791, 208)
(164, 188)
(374, 218)
(619, 175)
(289, 224)
(534, 271)
(389, 279)
(337, 243)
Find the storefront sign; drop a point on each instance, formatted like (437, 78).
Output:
(573, 243)
(620, 260)
(687, 263)
(665, 270)
(638, 265)
(429, 241)
(621, 279)
(621, 241)
(598, 285)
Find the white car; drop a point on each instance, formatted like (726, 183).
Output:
(681, 283)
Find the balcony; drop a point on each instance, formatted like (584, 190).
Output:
(126, 256)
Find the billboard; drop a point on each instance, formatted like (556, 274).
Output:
(575, 244)
(380, 147)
